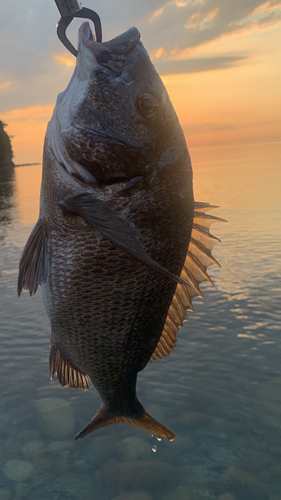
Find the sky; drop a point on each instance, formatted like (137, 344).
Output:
(219, 59)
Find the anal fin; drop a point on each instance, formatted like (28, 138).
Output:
(67, 375)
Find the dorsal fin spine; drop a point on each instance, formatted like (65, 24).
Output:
(176, 312)
(194, 271)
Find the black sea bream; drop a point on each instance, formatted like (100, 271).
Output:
(119, 246)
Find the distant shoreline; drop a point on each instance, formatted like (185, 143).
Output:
(10, 164)
(27, 164)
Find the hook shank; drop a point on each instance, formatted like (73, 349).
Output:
(70, 9)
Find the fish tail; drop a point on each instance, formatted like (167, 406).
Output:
(145, 421)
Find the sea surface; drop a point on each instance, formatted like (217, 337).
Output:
(220, 390)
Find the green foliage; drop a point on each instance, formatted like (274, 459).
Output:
(6, 153)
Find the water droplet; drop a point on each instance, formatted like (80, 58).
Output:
(154, 448)
(158, 438)
(152, 435)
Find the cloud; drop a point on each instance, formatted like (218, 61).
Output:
(185, 25)
(5, 84)
(30, 46)
(65, 59)
(42, 89)
(202, 128)
(35, 113)
(196, 65)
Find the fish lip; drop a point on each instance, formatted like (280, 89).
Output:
(123, 44)
(87, 35)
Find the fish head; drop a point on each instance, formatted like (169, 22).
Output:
(115, 117)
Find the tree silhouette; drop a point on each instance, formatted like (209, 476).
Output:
(6, 153)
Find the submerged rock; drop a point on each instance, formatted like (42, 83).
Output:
(135, 474)
(275, 487)
(193, 419)
(18, 470)
(28, 435)
(41, 463)
(133, 495)
(57, 446)
(275, 497)
(22, 489)
(133, 448)
(275, 470)
(244, 478)
(101, 449)
(32, 448)
(191, 492)
(5, 494)
(74, 486)
(226, 496)
(56, 417)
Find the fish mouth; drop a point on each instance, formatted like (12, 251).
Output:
(114, 53)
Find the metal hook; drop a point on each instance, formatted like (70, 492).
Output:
(70, 9)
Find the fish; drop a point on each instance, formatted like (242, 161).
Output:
(120, 246)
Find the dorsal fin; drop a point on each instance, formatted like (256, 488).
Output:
(67, 375)
(194, 271)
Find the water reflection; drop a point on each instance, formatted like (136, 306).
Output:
(28, 182)
(220, 391)
(6, 192)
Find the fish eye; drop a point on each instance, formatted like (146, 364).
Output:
(147, 106)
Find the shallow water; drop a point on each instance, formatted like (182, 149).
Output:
(220, 391)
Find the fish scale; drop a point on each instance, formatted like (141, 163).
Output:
(123, 298)
(113, 308)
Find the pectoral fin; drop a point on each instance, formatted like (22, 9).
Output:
(116, 228)
(33, 265)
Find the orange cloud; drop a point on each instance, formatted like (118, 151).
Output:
(5, 84)
(157, 14)
(267, 7)
(159, 52)
(211, 16)
(65, 59)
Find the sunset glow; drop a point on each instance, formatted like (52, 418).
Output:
(27, 128)
(221, 69)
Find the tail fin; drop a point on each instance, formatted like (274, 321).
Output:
(104, 418)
